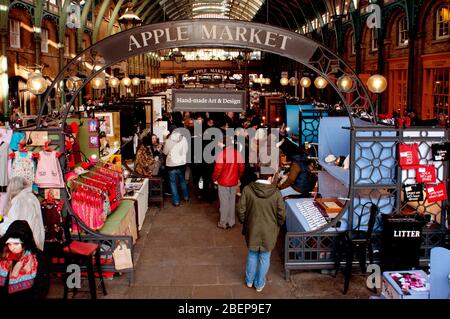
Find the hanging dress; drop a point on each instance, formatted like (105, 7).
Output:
(48, 171)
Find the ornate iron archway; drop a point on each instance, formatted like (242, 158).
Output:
(212, 33)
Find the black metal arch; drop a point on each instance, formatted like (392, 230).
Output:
(302, 49)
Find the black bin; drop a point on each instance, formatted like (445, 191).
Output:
(402, 240)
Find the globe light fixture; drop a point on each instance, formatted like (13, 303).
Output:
(320, 83)
(114, 82)
(345, 83)
(98, 83)
(36, 83)
(126, 81)
(73, 83)
(284, 81)
(136, 81)
(377, 84)
(293, 81)
(305, 82)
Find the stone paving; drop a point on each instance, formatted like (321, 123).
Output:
(181, 253)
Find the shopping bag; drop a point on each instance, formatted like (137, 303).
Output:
(436, 193)
(426, 174)
(122, 257)
(441, 151)
(409, 155)
(413, 192)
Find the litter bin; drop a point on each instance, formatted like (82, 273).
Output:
(401, 243)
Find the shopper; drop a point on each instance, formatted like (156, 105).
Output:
(176, 149)
(227, 172)
(23, 205)
(261, 210)
(156, 147)
(145, 164)
(23, 267)
(301, 177)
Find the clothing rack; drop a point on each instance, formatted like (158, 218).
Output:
(86, 185)
(92, 179)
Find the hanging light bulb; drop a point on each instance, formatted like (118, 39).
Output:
(377, 83)
(320, 83)
(345, 83)
(126, 81)
(36, 83)
(114, 82)
(305, 82)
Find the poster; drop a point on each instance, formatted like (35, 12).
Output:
(436, 193)
(93, 141)
(413, 192)
(92, 126)
(106, 123)
(159, 129)
(426, 174)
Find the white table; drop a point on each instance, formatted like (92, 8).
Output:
(141, 197)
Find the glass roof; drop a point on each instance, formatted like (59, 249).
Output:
(223, 9)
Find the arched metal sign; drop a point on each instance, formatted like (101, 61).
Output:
(211, 33)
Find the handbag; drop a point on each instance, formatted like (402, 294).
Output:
(122, 257)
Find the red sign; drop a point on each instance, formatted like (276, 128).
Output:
(436, 192)
(426, 174)
(409, 155)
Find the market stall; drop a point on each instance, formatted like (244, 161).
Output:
(371, 174)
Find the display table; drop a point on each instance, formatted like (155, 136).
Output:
(141, 199)
(122, 221)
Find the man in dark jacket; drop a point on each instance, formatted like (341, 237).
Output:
(261, 210)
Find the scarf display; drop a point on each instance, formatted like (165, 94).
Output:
(22, 275)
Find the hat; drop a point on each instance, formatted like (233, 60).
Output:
(14, 241)
(330, 159)
(74, 127)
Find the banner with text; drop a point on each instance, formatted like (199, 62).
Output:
(208, 101)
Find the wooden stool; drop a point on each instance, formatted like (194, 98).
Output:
(155, 191)
(82, 252)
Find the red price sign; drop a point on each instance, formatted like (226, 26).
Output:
(436, 193)
(426, 174)
(409, 155)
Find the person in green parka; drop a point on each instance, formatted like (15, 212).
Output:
(261, 210)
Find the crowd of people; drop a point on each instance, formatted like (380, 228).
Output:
(231, 178)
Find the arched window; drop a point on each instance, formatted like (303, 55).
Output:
(403, 32)
(443, 22)
(353, 43)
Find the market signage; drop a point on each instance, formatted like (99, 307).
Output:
(200, 32)
(208, 101)
(210, 71)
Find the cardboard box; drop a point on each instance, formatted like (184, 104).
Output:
(392, 281)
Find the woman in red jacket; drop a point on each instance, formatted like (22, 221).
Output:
(227, 172)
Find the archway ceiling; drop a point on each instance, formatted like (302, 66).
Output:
(291, 14)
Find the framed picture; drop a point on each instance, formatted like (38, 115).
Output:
(92, 126)
(106, 123)
(93, 141)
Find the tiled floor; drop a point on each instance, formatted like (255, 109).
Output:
(181, 253)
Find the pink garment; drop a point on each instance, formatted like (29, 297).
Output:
(5, 135)
(48, 171)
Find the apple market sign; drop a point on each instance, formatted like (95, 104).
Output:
(210, 33)
(207, 32)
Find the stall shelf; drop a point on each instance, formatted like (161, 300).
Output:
(373, 176)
